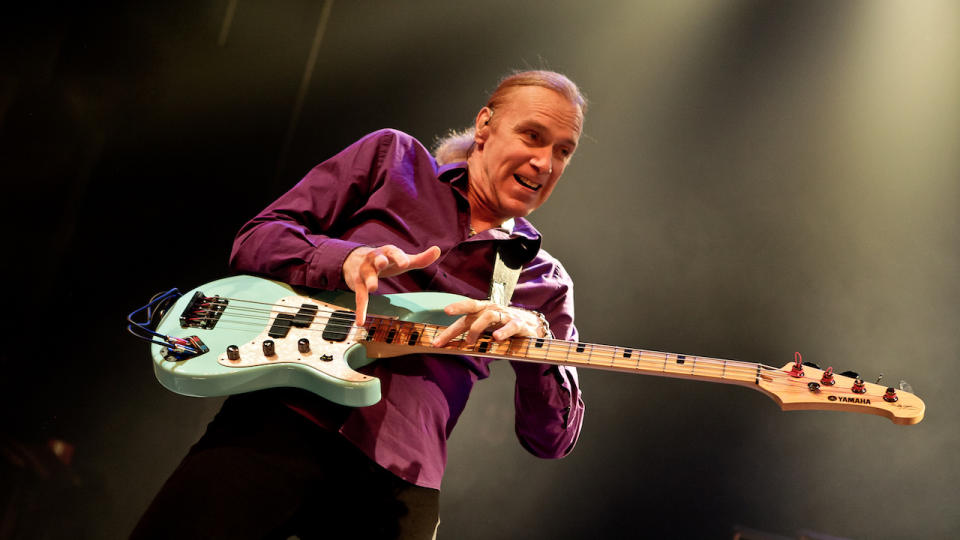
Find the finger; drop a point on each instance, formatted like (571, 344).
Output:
(482, 323)
(380, 262)
(466, 306)
(362, 299)
(424, 258)
(450, 332)
(369, 275)
(398, 257)
(402, 261)
(507, 331)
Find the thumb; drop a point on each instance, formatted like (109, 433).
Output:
(425, 258)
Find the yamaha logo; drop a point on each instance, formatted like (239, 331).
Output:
(843, 399)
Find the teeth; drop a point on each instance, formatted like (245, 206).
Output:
(526, 183)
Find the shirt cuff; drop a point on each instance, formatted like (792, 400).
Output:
(325, 270)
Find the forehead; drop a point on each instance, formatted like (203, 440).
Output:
(544, 106)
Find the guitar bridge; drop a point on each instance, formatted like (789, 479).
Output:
(203, 311)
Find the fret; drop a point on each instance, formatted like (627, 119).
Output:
(676, 364)
(513, 346)
(622, 359)
(525, 343)
(577, 356)
(566, 355)
(538, 348)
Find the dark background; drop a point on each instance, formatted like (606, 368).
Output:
(755, 178)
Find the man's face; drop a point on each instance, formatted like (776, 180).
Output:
(522, 149)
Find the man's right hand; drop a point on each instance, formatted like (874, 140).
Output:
(364, 266)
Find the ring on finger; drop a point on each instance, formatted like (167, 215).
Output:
(500, 320)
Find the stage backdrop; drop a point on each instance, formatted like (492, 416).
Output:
(755, 178)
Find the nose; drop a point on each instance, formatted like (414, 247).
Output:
(542, 160)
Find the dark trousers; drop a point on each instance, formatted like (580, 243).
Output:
(263, 471)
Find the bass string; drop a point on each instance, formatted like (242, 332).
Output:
(697, 361)
(557, 351)
(704, 366)
(643, 356)
(602, 349)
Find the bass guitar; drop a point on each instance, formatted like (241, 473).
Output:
(246, 333)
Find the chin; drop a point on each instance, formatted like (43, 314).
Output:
(522, 211)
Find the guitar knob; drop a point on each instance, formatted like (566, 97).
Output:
(303, 345)
(890, 396)
(859, 387)
(233, 353)
(268, 348)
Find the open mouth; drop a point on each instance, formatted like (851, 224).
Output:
(526, 183)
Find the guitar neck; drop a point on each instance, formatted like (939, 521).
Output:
(390, 337)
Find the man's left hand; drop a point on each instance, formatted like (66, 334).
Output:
(479, 316)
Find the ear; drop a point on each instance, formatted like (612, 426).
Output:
(482, 125)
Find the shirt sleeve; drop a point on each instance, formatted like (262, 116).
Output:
(295, 239)
(549, 405)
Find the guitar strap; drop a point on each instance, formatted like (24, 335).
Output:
(511, 256)
(504, 280)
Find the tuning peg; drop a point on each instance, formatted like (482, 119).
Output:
(851, 374)
(905, 386)
(797, 369)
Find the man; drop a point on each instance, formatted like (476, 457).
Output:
(385, 216)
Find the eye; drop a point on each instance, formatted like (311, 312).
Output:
(533, 136)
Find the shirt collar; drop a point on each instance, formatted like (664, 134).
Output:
(524, 234)
(454, 174)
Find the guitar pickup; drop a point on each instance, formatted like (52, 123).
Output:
(304, 317)
(281, 325)
(284, 321)
(339, 325)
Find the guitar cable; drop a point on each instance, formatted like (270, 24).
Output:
(155, 309)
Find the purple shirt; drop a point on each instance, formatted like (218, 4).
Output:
(387, 189)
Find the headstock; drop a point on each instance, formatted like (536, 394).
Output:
(798, 386)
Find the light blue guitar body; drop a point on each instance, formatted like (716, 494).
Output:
(326, 370)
